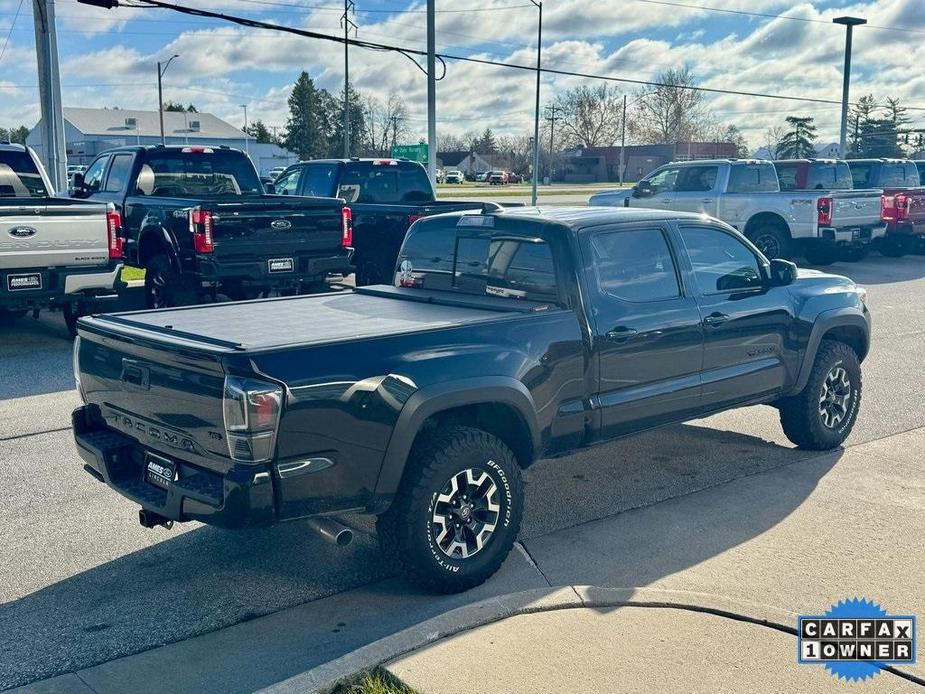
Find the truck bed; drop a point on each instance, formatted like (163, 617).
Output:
(305, 320)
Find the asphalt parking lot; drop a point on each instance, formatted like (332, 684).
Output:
(82, 583)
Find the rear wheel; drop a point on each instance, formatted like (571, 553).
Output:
(165, 287)
(895, 246)
(457, 512)
(822, 415)
(853, 254)
(821, 253)
(772, 241)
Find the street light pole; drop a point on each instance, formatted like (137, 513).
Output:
(622, 139)
(160, 94)
(536, 107)
(432, 92)
(849, 23)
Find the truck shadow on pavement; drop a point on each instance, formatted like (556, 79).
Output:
(204, 579)
(877, 269)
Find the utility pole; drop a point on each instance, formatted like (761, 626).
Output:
(244, 106)
(432, 91)
(552, 126)
(622, 140)
(54, 152)
(348, 25)
(536, 107)
(160, 94)
(849, 23)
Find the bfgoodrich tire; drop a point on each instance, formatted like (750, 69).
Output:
(822, 415)
(457, 511)
(772, 241)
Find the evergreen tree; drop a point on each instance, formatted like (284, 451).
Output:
(260, 132)
(486, 143)
(307, 126)
(799, 141)
(178, 107)
(357, 118)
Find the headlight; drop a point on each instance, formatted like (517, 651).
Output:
(251, 411)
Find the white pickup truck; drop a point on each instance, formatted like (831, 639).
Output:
(54, 252)
(746, 194)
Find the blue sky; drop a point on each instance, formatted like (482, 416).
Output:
(108, 57)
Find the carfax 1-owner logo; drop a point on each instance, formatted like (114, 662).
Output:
(856, 639)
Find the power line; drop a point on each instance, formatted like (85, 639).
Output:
(10, 32)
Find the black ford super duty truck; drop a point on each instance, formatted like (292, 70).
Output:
(198, 221)
(385, 196)
(509, 337)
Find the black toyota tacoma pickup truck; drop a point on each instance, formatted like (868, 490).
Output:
(509, 337)
(198, 221)
(385, 196)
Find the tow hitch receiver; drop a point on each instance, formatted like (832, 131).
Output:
(149, 519)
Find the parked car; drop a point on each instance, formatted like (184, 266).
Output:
(481, 176)
(385, 197)
(197, 220)
(56, 253)
(746, 194)
(510, 337)
(455, 176)
(514, 178)
(497, 178)
(903, 203)
(274, 173)
(440, 175)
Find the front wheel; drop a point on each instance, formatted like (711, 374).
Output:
(457, 511)
(822, 415)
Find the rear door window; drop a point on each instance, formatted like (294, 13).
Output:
(752, 178)
(635, 265)
(287, 183)
(699, 179)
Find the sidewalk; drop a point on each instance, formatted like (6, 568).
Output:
(769, 546)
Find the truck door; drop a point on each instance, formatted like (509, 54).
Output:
(696, 189)
(657, 190)
(748, 351)
(647, 333)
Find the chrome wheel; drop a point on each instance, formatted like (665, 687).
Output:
(466, 513)
(835, 397)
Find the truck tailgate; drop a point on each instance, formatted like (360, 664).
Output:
(275, 226)
(165, 394)
(856, 208)
(53, 233)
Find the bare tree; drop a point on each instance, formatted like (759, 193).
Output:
(673, 112)
(451, 143)
(386, 124)
(590, 116)
(518, 151)
(772, 138)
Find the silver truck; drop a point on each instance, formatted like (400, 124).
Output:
(54, 252)
(746, 193)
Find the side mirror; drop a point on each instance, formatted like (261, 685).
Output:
(270, 188)
(782, 272)
(642, 189)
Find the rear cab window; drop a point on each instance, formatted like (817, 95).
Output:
(479, 261)
(862, 173)
(20, 177)
(384, 182)
(198, 172)
(829, 176)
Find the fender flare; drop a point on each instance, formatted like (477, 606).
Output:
(846, 317)
(444, 396)
(165, 238)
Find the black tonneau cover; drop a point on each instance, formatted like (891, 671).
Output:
(301, 320)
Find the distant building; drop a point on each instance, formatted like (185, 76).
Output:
(465, 161)
(590, 164)
(828, 150)
(89, 131)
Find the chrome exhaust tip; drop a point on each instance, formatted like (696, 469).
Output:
(332, 531)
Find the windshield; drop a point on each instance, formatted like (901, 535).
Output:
(19, 176)
(199, 174)
(474, 262)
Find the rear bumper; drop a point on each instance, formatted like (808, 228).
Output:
(60, 285)
(257, 271)
(906, 229)
(852, 236)
(242, 497)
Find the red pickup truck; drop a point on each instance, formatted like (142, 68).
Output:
(903, 202)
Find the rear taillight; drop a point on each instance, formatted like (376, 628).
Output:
(251, 411)
(412, 218)
(346, 236)
(894, 208)
(200, 226)
(113, 231)
(824, 211)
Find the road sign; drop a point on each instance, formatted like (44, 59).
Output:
(413, 152)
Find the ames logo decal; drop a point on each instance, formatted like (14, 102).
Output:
(856, 639)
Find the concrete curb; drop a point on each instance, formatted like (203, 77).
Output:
(330, 674)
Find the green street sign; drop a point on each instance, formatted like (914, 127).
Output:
(413, 152)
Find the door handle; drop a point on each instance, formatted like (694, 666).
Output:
(715, 319)
(707, 200)
(622, 334)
